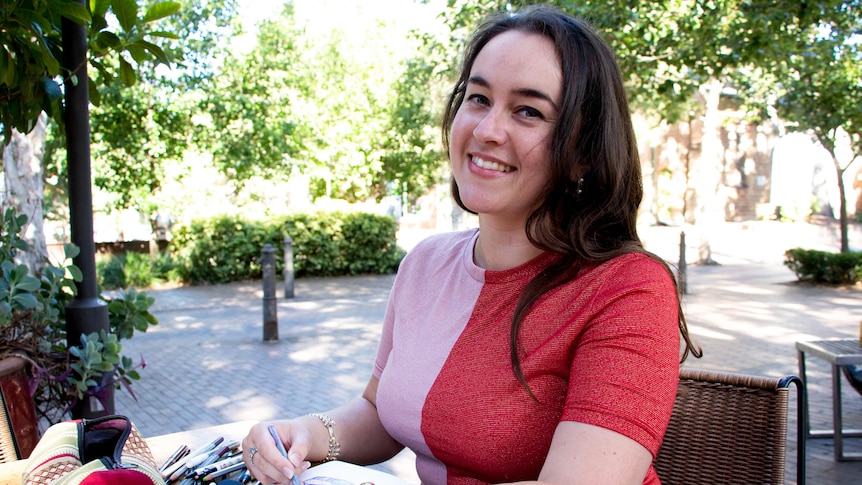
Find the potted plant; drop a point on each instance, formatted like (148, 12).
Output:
(32, 328)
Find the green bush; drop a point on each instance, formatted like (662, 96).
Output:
(135, 269)
(825, 267)
(227, 248)
(368, 244)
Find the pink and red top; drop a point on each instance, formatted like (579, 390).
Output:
(602, 349)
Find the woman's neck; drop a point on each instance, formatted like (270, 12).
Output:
(500, 249)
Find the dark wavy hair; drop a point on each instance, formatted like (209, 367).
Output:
(591, 203)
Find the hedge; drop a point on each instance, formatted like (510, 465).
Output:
(825, 267)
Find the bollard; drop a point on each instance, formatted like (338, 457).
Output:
(270, 309)
(683, 283)
(288, 267)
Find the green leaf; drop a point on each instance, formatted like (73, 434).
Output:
(127, 73)
(138, 52)
(99, 7)
(127, 13)
(71, 250)
(73, 11)
(76, 273)
(7, 72)
(161, 10)
(163, 34)
(95, 95)
(29, 283)
(25, 300)
(156, 51)
(108, 39)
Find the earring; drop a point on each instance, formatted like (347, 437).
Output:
(580, 186)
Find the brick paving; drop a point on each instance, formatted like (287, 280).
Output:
(208, 364)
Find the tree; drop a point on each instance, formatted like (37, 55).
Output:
(137, 130)
(249, 123)
(30, 76)
(823, 94)
(411, 160)
(680, 56)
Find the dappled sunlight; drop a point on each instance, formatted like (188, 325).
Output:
(707, 333)
(352, 381)
(315, 353)
(749, 290)
(254, 407)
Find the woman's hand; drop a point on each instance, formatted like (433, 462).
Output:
(262, 457)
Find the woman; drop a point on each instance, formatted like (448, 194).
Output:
(544, 345)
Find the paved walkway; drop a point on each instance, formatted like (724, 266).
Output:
(207, 363)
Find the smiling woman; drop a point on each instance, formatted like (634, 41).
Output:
(544, 346)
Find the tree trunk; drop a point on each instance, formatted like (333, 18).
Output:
(707, 174)
(23, 189)
(842, 205)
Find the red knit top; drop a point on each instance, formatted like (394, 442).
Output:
(602, 349)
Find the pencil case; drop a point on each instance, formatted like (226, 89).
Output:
(100, 451)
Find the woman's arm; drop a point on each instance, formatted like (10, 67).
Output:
(583, 454)
(358, 431)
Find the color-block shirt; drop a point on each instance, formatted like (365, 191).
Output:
(602, 349)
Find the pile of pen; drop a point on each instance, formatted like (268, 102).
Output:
(210, 463)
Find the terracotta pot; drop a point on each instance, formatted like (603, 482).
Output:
(19, 428)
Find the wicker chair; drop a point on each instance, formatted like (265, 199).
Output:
(729, 428)
(19, 427)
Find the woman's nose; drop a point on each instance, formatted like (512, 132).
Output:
(490, 128)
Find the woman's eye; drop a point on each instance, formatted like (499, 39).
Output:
(479, 99)
(529, 112)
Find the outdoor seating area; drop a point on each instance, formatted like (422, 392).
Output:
(209, 353)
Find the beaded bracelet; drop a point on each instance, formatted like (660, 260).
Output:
(334, 447)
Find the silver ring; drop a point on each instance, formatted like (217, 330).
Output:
(251, 452)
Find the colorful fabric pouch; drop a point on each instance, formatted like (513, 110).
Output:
(100, 451)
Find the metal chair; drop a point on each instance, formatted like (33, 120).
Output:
(730, 428)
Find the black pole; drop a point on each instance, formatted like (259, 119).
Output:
(86, 313)
(270, 304)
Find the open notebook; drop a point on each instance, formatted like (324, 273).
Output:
(331, 472)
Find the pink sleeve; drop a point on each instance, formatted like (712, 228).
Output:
(385, 346)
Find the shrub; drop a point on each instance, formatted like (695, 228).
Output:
(368, 244)
(824, 267)
(135, 269)
(225, 249)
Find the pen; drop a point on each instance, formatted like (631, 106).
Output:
(206, 470)
(177, 455)
(244, 477)
(208, 460)
(224, 471)
(280, 445)
(196, 457)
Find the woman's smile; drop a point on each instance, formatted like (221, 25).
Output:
(489, 165)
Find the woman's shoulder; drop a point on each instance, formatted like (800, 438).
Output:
(634, 267)
(442, 243)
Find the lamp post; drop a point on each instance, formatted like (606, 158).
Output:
(86, 313)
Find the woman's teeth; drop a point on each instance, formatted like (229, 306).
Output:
(491, 165)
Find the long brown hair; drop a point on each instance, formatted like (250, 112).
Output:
(590, 208)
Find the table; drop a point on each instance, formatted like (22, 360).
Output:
(838, 352)
(161, 446)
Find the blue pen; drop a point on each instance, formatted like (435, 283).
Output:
(278, 443)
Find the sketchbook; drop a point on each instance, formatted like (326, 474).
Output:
(343, 473)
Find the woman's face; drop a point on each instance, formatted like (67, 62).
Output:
(500, 141)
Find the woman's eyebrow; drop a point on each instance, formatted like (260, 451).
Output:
(526, 92)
